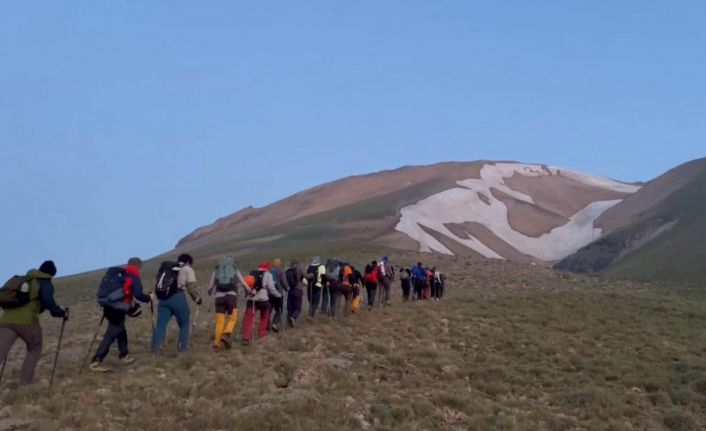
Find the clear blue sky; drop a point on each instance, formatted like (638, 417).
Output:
(126, 124)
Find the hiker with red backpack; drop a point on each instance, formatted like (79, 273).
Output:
(259, 290)
(118, 291)
(296, 281)
(224, 286)
(172, 300)
(282, 287)
(371, 283)
(23, 299)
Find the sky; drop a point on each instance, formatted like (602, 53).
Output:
(124, 125)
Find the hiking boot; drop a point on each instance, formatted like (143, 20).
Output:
(96, 367)
(127, 360)
(245, 343)
(275, 327)
(226, 341)
(291, 322)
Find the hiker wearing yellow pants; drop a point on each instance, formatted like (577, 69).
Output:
(226, 309)
(224, 284)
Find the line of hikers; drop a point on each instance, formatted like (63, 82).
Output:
(273, 292)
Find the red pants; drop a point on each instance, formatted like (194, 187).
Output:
(265, 309)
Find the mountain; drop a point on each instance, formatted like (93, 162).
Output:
(502, 210)
(654, 234)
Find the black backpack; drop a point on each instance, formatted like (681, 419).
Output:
(312, 274)
(167, 280)
(291, 276)
(14, 293)
(110, 290)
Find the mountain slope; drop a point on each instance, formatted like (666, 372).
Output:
(501, 210)
(655, 234)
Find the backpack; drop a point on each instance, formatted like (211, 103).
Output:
(333, 269)
(346, 276)
(225, 275)
(110, 290)
(14, 293)
(291, 276)
(311, 273)
(259, 275)
(167, 280)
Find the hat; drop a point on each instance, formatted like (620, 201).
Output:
(384, 259)
(48, 268)
(316, 261)
(265, 266)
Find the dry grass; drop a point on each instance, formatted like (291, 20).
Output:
(511, 348)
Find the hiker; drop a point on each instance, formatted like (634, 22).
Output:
(432, 283)
(32, 294)
(419, 276)
(296, 281)
(224, 285)
(439, 281)
(315, 274)
(174, 304)
(343, 287)
(356, 300)
(387, 277)
(405, 281)
(259, 287)
(282, 287)
(371, 283)
(331, 286)
(115, 312)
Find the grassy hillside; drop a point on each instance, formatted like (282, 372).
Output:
(511, 348)
(665, 243)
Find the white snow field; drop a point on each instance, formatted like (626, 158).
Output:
(463, 204)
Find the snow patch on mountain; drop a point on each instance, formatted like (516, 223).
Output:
(464, 204)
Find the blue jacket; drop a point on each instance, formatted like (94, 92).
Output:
(46, 299)
(419, 273)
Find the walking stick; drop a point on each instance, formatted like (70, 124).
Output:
(282, 317)
(58, 348)
(2, 371)
(90, 347)
(196, 315)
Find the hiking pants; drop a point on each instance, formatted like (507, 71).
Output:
(294, 303)
(341, 292)
(326, 299)
(315, 300)
(418, 288)
(175, 306)
(405, 289)
(226, 305)
(277, 305)
(32, 336)
(386, 286)
(434, 289)
(115, 331)
(265, 310)
(372, 289)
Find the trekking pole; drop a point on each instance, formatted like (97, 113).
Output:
(2, 370)
(90, 347)
(58, 347)
(282, 317)
(196, 316)
(252, 332)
